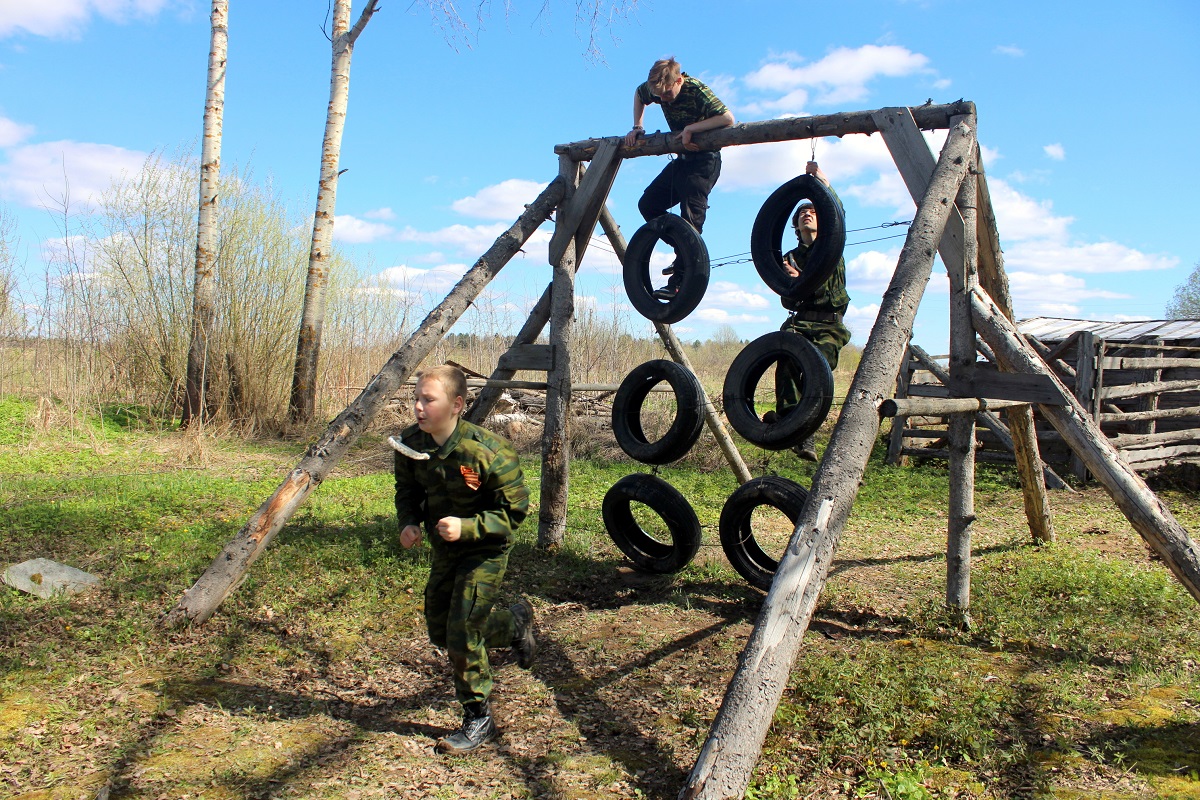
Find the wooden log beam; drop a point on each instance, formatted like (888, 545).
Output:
(1158, 413)
(728, 756)
(228, 569)
(1141, 507)
(733, 456)
(1124, 441)
(927, 117)
(1142, 389)
(1163, 362)
(896, 436)
(934, 406)
(556, 435)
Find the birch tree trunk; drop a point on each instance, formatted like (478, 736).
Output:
(308, 342)
(203, 313)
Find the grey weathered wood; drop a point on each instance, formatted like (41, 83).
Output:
(733, 456)
(1150, 364)
(535, 357)
(1160, 456)
(227, 570)
(935, 407)
(1039, 523)
(1034, 474)
(577, 218)
(1085, 389)
(1142, 389)
(987, 381)
(896, 436)
(728, 756)
(1075, 423)
(1160, 413)
(960, 517)
(1126, 440)
(556, 436)
(929, 117)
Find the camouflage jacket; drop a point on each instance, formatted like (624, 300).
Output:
(475, 475)
(830, 295)
(696, 102)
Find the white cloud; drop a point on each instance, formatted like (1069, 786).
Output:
(842, 75)
(65, 18)
(13, 133)
(348, 229)
(1048, 257)
(385, 214)
(436, 281)
(771, 164)
(726, 294)
(505, 200)
(1009, 50)
(719, 316)
(860, 320)
(38, 174)
(1021, 218)
(1055, 151)
(1037, 286)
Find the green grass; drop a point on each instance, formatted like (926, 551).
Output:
(1078, 677)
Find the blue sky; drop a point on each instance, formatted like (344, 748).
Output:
(1086, 117)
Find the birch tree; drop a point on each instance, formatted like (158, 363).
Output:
(308, 342)
(196, 399)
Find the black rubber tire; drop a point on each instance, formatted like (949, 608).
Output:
(737, 538)
(627, 412)
(816, 390)
(691, 256)
(766, 237)
(646, 552)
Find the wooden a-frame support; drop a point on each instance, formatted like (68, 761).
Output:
(953, 217)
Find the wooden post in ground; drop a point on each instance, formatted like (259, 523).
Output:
(1079, 430)
(1034, 474)
(724, 440)
(556, 437)
(729, 754)
(895, 454)
(960, 519)
(915, 163)
(1149, 403)
(228, 569)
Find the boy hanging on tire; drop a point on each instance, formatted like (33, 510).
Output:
(817, 317)
(465, 486)
(690, 107)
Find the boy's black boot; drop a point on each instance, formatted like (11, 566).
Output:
(524, 644)
(477, 728)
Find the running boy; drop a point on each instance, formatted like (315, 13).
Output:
(465, 486)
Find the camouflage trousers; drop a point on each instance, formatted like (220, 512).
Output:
(462, 588)
(828, 337)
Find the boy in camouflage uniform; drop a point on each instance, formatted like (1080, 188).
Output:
(690, 107)
(817, 317)
(465, 486)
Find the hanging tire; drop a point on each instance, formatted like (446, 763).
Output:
(627, 412)
(645, 551)
(815, 389)
(691, 257)
(737, 534)
(766, 237)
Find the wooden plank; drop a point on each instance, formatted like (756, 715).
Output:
(536, 357)
(991, 383)
(1141, 389)
(896, 436)
(578, 216)
(929, 407)
(1126, 362)
(1085, 385)
(1158, 413)
(1123, 441)
(1160, 453)
(1150, 402)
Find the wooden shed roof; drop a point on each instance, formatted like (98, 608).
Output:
(1053, 329)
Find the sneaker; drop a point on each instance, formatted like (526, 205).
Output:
(807, 450)
(670, 270)
(477, 729)
(770, 417)
(524, 644)
(665, 293)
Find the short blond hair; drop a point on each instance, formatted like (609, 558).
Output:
(663, 74)
(452, 379)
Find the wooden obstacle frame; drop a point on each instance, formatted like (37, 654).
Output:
(954, 218)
